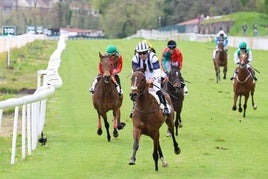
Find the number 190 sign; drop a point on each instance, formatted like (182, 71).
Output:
(9, 30)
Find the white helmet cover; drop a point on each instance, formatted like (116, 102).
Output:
(142, 47)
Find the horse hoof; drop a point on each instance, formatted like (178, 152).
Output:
(234, 108)
(177, 151)
(115, 133)
(99, 131)
(180, 125)
(240, 109)
(164, 164)
(255, 107)
(121, 125)
(168, 134)
(131, 162)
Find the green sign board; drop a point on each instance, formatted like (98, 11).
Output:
(8, 30)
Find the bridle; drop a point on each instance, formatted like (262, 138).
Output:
(242, 65)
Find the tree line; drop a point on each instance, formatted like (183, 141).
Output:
(121, 18)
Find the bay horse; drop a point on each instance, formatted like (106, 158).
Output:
(220, 61)
(174, 88)
(243, 84)
(106, 98)
(148, 117)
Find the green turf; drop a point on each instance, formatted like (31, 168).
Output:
(215, 141)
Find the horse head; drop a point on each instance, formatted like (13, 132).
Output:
(174, 77)
(221, 46)
(138, 84)
(243, 58)
(106, 67)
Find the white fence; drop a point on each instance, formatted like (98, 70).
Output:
(33, 107)
(18, 41)
(258, 43)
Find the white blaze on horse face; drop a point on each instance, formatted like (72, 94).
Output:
(134, 87)
(177, 73)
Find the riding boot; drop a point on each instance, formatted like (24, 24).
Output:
(183, 86)
(234, 75)
(163, 101)
(131, 113)
(252, 73)
(118, 85)
(91, 90)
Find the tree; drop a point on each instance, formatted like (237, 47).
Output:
(122, 18)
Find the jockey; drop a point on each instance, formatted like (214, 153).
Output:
(147, 60)
(221, 36)
(243, 46)
(172, 55)
(117, 63)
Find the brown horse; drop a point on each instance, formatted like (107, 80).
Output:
(106, 98)
(243, 84)
(148, 117)
(220, 61)
(174, 88)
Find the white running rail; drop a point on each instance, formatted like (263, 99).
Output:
(33, 107)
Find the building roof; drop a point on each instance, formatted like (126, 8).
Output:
(190, 22)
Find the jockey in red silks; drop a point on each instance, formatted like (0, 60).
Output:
(172, 55)
(117, 63)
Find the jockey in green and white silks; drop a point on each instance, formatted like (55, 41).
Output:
(243, 46)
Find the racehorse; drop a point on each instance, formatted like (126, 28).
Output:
(148, 117)
(243, 84)
(220, 61)
(174, 88)
(106, 98)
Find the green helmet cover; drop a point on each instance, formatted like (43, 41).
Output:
(111, 49)
(243, 45)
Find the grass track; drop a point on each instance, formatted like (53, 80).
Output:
(215, 141)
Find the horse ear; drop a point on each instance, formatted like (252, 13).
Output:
(100, 55)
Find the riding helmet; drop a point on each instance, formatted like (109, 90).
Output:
(111, 49)
(171, 44)
(221, 32)
(243, 45)
(142, 47)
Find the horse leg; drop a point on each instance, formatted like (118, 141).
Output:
(252, 99)
(155, 150)
(239, 104)
(104, 116)
(178, 123)
(170, 125)
(162, 158)
(120, 125)
(235, 99)
(224, 71)
(115, 133)
(218, 74)
(245, 105)
(136, 136)
(99, 131)
(217, 70)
